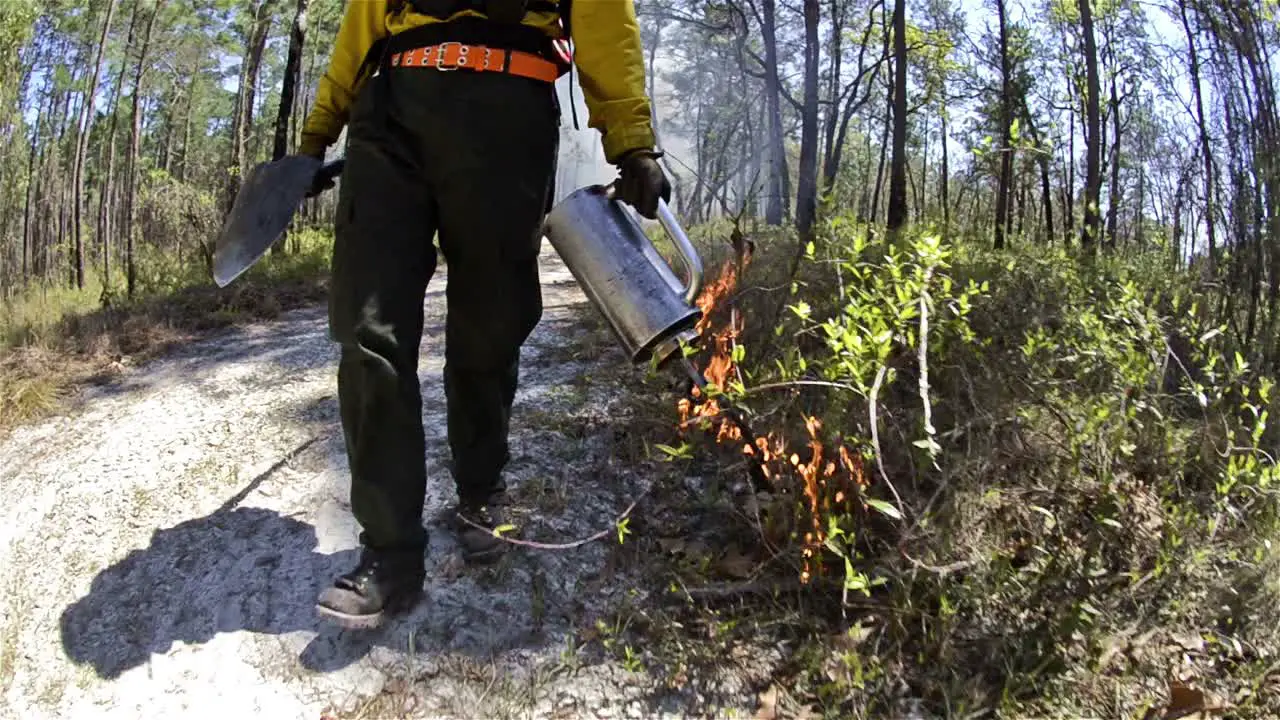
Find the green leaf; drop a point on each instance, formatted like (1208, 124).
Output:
(885, 508)
(497, 532)
(685, 450)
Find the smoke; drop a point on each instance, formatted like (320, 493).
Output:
(581, 159)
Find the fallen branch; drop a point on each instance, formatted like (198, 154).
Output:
(875, 437)
(732, 590)
(942, 570)
(924, 365)
(556, 546)
(799, 383)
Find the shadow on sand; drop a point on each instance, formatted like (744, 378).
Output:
(236, 569)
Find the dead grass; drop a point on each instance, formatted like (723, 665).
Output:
(53, 341)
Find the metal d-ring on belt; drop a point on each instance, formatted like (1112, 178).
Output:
(449, 56)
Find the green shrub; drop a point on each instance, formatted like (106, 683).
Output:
(1066, 453)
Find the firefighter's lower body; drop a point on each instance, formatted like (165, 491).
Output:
(470, 156)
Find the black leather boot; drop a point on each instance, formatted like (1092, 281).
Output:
(479, 545)
(382, 584)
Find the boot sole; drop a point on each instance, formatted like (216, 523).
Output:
(374, 621)
(352, 622)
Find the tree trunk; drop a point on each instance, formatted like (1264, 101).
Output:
(1093, 131)
(833, 84)
(1140, 217)
(807, 183)
(1201, 126)
(1069, 191)
(921, 192)
(107, 196)
(293, 65)
(82, 144)
(944, 182)
(1042, 153)
(1006, 120)
(131, 271)
(779, 200)
(1022, 205)
(874, 215)
(170, 130)
(186, 131)
(292, 68)
(835, 150)
(28, 232)
(1113, 196)
(898, 166)
(242, 120)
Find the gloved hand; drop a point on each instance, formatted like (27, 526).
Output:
(643, 182)
(325, 178)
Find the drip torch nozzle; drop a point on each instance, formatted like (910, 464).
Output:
(693, 373)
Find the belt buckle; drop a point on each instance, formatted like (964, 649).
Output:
(462, 51)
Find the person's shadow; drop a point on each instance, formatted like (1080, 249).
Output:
(237, 569)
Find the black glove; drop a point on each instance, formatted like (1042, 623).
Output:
(643, 182)
(325, 178)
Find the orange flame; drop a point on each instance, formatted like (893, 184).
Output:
(829, 484)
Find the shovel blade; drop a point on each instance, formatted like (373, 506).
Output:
(268, 199)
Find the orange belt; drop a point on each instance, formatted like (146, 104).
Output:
(452, 55)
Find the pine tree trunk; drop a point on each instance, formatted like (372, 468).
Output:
(130, 220)
(921, 192)
(1043, 156)
(874, 215)
(832, 119)
(945, 181)
(186, 132)
(807, 185)
(82, 145)
(1115, 191)
(293, 66)
(1203, 132)
(1093, 131)
(779, 200)
(107, 197)
(29, 206)
(898, 167)
(1069, 190)
(1006, 139)
(242, 122)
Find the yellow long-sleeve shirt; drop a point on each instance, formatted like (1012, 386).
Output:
(607, 52)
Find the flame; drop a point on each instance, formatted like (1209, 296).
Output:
(720, 368)
(832, 480)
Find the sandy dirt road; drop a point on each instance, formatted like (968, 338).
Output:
(162, 544)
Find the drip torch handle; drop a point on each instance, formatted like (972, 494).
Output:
(688, 253)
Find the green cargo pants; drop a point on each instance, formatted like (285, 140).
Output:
(471, 156)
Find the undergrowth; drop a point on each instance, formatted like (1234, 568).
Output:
(53, 338)
(1030, 484)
